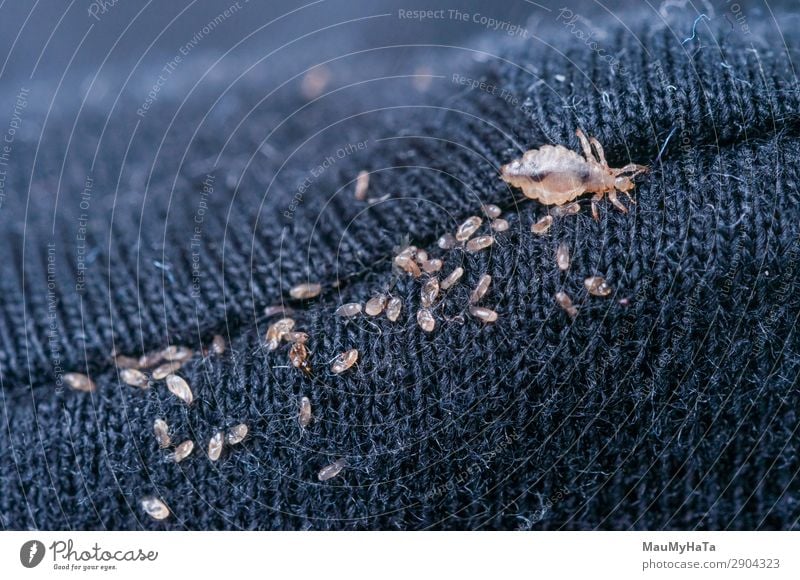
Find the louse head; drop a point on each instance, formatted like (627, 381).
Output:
(622, 183)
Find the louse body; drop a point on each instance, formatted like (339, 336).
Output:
(555, 175)
(298, 356)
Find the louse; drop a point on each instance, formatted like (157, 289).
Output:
(452, 278)
(393, 309)
(161, 431)
(217, 345)
(305, 291)
(565, 210)
(314, 82)
(176, 353)
(180, 388)
(447, 242)
(79, 382)
(499, 225)
(344, 361)
(362, 183)
(375, 305)
(562, 257)
(292, 337)
(432, 266)
(480, 289)
(332, 470)
(304, 416)
(183, 451)
(276, 309)
(469, 227)
(540, 227)
(215, 445)
(425, 320)
(479, 243)
(134, 378)
(161, 372)
(429, 292)
(276, 332)
(298, 356)
(236, 434)
(483, 314)
(492, 211)
(597, 286)
(349, 310)
(126, 362)
(565, 302)
(155, 508)
(408, 265)
(150, 359)
(555, 175)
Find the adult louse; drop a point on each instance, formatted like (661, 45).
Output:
(298, 356)
(555, 175)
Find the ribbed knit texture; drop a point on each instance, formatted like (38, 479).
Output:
(674, 409)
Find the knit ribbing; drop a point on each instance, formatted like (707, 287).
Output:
(633, 415)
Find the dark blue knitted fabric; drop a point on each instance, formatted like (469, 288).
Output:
(670, 404)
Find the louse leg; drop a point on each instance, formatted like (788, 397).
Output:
(587, 149)
(595, 198)
(612, 196)
(628, 195)
(631, 168)
(601, 155)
